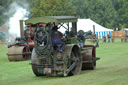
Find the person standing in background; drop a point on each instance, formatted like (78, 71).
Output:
(104, 37)
(109, 38)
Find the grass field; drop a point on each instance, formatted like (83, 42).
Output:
(112, 69)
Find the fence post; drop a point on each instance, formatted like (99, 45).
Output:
(0, 42)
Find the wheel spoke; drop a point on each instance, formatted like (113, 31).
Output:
(75, 64)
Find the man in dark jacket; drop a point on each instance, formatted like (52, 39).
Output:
(109, 37)
(57, 38)
(81, 38)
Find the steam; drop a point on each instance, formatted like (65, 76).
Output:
(20, 13)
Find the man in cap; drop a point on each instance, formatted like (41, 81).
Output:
(57, 37)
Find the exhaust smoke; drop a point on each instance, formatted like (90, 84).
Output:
(20, 13)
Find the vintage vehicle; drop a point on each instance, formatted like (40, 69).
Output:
(46, 60)
(22, 48)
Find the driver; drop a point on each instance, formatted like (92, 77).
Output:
(57, 37)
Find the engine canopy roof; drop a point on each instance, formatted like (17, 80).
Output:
(48, 19)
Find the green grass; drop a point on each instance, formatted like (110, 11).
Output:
(112, 69)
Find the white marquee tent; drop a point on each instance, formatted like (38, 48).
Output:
(87, 24)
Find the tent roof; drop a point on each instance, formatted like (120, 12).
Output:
(87, 24)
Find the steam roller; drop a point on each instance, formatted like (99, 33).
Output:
(18, 53)
(48, 59)
(22, 48)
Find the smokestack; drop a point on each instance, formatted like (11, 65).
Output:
(21, 29)
(93, 29)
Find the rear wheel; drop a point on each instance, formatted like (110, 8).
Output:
(75, 63)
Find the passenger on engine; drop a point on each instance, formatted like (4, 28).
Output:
(57, 37)
(81, 38)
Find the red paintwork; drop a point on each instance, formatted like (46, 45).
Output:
(93, 51)
(42, 25)
(31, 44)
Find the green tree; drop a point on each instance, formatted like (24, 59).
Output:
(52, 8)
(101, 11)
(123, 13)
(121, 6)
(3, 8)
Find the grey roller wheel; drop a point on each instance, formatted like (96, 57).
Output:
(89, 66)
(34, 62)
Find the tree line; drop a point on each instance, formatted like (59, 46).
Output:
(108, 13)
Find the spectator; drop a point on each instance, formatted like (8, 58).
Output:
(104, 37)
(109, 37)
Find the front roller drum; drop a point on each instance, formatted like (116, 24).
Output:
(16, 53)
(34, 63)
(89, 59)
